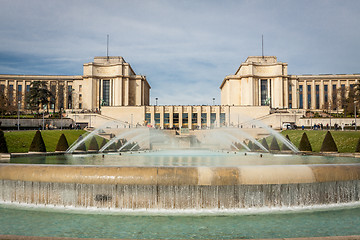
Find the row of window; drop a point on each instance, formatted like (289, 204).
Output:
(19, 97)
(185, 119)
(336, 93)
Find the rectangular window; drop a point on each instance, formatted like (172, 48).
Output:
(176, 120)
(290, 95)
(80, 88)
(203, 120)
(27, 88)
(80, 97)
(301, 102)
(2, 89)
(106, 93)
(194, 121)
(317, 96)
(166, 120)
(70, 97)
(157, 120)
(147, 118)
(80, 105)
(222, 120)
(185, 120)
(53, 92)
(309, 96)
(19, 93)
(11, 93)
(326, 94)
(212, 119)
(334, 95)
(264, 92)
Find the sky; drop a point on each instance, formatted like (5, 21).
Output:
(184, 48)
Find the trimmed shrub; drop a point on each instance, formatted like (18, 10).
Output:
(62, 144)
(328, 145)
(3, 145)
(103, 143)
(37, 144)
(264, 143)
(82, 146)
(284, 147)
(93, 145)
(305, 143)
(250, 145)
(357, 149)
(256, 147)
(274, 146)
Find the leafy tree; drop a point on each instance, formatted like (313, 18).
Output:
(328, 144)
(38, 95)
(3, 145)
(37, 144)
(62, 144)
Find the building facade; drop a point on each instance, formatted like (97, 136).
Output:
(110, 87)
(108, 81)
(263, 81)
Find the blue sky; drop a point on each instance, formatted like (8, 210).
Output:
(185, 48)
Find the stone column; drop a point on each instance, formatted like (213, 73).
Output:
(171, 116)
(295, 93)
(190, 111)
(199, 111)
(161, 110)
(305, 96)
(180, 116)
(313, 95)
(23, 93)
(66, 99)
(217, 111)
(321, 94)
(330, 95)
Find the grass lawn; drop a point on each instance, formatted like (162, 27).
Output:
(346, 141)
(19, 141)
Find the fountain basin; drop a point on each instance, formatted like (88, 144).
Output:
(122, 187)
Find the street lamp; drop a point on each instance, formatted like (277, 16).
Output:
(156, 101)
(355, 102)
(18, 116)
(44, 107)
(213, 101)
(61, 123)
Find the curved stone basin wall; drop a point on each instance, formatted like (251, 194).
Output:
(179, 187)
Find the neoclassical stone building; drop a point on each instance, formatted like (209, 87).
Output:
(263, 81)
(110, 87)
(108, 81)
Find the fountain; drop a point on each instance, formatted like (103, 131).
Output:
(189, 181)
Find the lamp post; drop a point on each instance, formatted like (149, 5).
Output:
(43, 127)
(156, 101)
(18, 124)
(213, 101)
(355, 102)
(61, 123)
